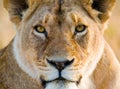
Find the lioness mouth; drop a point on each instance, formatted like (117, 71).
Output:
(44, 82)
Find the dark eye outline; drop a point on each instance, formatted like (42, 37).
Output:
(84, 29)
(36, 29)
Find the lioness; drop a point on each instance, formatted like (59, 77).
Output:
(59, 45)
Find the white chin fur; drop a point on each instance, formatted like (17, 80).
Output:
(61, 85)
(85, 83)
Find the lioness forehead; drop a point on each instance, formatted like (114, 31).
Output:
(59, 2)
(59, 10)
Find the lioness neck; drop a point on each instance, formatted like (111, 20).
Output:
(11, 76)
(107, 70)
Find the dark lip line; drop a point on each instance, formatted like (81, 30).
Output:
(44, 82)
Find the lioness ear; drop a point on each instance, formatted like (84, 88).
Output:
(104, 7)
(15, 9)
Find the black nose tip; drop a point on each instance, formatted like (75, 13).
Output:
(60, 65)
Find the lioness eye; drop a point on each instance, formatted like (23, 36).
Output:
(40, 29)
(80, 28)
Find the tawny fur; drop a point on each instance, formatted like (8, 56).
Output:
(23, 62)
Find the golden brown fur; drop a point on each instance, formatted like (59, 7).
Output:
(9, 75)
(25, 62)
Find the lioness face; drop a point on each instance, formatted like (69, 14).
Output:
(58, 47)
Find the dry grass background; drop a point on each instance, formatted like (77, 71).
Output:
(112, 34)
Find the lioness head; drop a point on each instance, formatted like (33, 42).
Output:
(59, 42)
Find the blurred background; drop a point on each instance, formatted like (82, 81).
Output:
(112, 34)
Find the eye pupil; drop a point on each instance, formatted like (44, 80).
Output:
(80, 28)
(40, 29)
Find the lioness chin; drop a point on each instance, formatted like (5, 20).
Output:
(59, 45)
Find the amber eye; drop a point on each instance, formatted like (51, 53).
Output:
(80, 28)
(40, 29)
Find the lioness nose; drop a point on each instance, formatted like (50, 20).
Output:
(60, 65)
